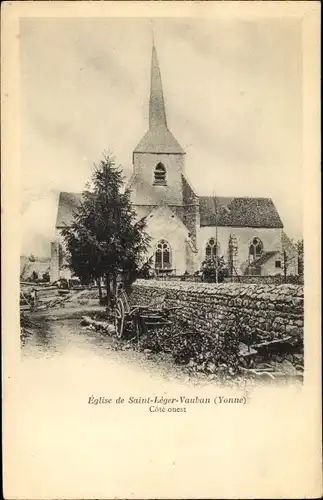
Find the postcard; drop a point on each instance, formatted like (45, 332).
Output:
(161, 242)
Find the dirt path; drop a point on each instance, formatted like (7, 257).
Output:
(67, 339)
(60, 333)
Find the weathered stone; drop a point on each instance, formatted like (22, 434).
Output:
(271, 311)
(292, 330)
(111, 329)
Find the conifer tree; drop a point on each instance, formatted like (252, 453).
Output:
(105, 237)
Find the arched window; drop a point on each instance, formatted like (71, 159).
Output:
(212, 249)
(160, 174)
(163, 260)
(255, 249)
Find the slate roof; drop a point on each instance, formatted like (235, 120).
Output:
(68, 204)
(189, 195)
(239, 212)
(159, 140)
(157, 111)
(232, 212)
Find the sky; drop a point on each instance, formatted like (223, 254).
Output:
(233, 94)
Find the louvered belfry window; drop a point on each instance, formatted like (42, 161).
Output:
(160, 174)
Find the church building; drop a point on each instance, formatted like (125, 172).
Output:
(186, 228)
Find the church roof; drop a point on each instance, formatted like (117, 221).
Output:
(158, 139)
(157, 112)
(189, 195)
(232, 212)
(68, 204)
(239, 212)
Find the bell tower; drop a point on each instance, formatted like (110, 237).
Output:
(158, 160)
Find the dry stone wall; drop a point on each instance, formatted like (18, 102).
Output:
(256, 312)
(267, 280)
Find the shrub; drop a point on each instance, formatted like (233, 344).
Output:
(46, 277)
(211, 266)
(207, 353)
(34, 276)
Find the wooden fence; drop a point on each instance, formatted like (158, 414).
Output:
(36, 296)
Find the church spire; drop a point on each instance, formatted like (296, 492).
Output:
(158, 138)
(157, 112)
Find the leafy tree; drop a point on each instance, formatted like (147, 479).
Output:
(34, 276)
(81, 256)
(214, 265)
(24, 268)
(105, 238)
(32, 258)
(142, 269)
(146, 271)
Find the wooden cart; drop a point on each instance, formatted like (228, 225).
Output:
(142, 317)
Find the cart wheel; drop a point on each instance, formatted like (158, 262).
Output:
(119, 318)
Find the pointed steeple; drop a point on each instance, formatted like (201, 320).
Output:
(157, 112)
(158, 139)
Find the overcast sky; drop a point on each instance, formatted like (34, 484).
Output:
(233, 97)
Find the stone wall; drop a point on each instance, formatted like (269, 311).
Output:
(271, 280)
(256, 312)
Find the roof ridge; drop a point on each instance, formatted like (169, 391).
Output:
(71, 192)
(237, 197)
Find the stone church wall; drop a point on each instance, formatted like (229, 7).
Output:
(270, 237)
(269, 268)
(262, 311)
(191, 221)
(144, 192)
(58, 267)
